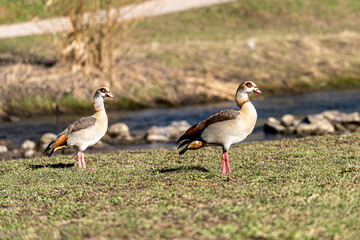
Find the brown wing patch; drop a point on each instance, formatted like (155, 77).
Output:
(61, 140)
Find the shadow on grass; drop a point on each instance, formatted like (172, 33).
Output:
(57, 165)
(182, 168)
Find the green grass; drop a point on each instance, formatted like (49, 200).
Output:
(26, 10)
(29, 48)
(39, 105)
(71, 102)
(222, 21)
(21, 10)
(289, 189)
(244, 19)
(240, 19)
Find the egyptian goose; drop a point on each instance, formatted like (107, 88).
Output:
(84, 132)
(225, 127)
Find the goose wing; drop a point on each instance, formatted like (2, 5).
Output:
(194, 132)
(60, 141)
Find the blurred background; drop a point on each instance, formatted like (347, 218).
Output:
(172, 63)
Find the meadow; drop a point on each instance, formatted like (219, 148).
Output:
(289, 189)
(304, 188)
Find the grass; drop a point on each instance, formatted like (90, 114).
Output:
(237, 20)
(29, 48)
(290, 189)
(41, 106)
(244, 19)
(21, 10)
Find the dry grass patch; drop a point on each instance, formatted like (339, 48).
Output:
(199, 71)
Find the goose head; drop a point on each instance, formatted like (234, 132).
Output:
(103, 92)
(250, 87)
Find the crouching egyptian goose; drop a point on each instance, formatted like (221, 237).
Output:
(225, 127)
(84, 132)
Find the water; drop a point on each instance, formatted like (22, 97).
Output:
(299, 105)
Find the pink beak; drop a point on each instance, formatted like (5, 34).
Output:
(108, 94)
(257, 91)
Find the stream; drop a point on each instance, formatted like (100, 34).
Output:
(140, 120)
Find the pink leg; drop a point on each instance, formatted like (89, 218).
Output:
(227, 162)
(223, 163)
(83, 159)
(79, 159)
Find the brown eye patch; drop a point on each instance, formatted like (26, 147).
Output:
(249, 84)
(103, 90)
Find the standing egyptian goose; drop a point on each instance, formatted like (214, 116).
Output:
(86, 131)
(225, 127)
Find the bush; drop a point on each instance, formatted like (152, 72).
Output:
(95, 25)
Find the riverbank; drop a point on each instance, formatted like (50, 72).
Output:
(293, 188)
(160, 128)
(201, 60)
(146, 80)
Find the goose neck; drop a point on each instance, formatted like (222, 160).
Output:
(241, 98)
(98, 103)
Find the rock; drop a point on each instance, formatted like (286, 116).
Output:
(273, 120)
(313, 118)
(167, 133)
(343, 121)
(138, 136)
(6, 143)
(27, 145)
(119, 139)
(339, 127)
(272, 125)
(352, 127)
(106, 138)
(16, 152)
(290, 129)
(119, 130)
(124, 139)
(45, 139)
(324, 127)
(100, 144)
(12, 118)
(177, 128)
(339, 117)
(157, 138)
(29, 153)
(157, 134)
(3, 149)
(315, 125)
(288, 120)
(305, 129)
